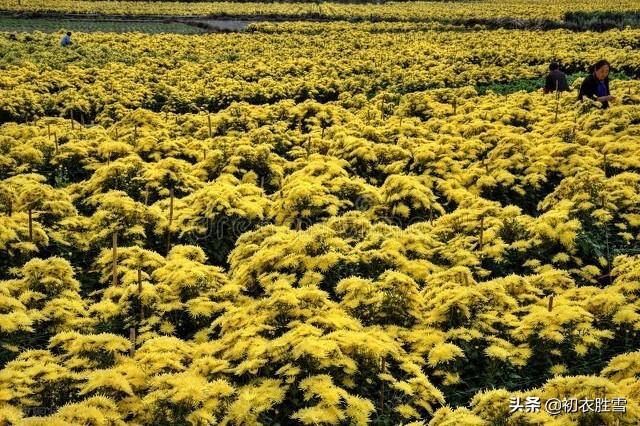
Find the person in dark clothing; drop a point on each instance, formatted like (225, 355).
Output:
(555, 78)
(595, 86)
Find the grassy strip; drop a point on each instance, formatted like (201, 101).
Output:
(533, 84)
(88, 26)
(575, 21)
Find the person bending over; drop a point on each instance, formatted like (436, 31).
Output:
(555, 79)
(595, 86)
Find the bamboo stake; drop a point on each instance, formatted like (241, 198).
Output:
(383, 368)
(606, 242)
(557, 101)
(481, 231)
(140, 294)
(30, 226)
(132, 338)
(114, 266)
(170, 219)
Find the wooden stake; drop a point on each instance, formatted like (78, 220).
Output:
(209, 123)
(550, 303)
(481, 230)
(114, 266)
(140, 294)
(71, 118)
(132, 338)
(170, 219)
(557, 101)
(606, 242)
(383, 368)
(30, 226)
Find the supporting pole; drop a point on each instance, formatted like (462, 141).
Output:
(557, 102)
(132, 338)
(481, 231)
(383, 370)
(114, 266)
(170, 219)
(140, 294)
(30, 226)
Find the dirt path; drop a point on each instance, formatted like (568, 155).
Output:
(225, 23)
(218, 25)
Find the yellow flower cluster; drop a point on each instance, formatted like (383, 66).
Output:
(399, 10)
(99, 80)
(373, 257)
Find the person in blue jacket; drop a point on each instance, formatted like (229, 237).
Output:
(595, 86)
(66, 40)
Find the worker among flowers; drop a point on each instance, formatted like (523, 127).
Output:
(556, 79)
(66, 40)
(595, 86)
